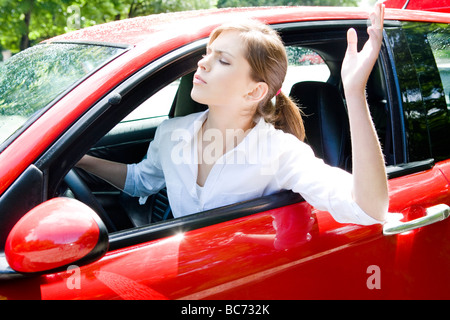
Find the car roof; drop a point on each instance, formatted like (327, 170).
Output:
(428, 5)
(199, 23)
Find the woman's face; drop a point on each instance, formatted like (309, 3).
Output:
(223, 75)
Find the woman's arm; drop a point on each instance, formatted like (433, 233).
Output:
(113, 172)
(370, 189)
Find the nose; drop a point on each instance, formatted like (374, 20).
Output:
(203, 63)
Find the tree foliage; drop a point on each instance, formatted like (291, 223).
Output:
(26, 22)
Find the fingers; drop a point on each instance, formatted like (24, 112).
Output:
(377, 16)
(377, 21)
(382, 6)
(352, 41)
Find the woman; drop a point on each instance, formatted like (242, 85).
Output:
(244, 147)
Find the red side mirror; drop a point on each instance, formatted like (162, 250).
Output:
(54, 235)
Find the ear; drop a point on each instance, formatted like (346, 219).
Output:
(258, 93)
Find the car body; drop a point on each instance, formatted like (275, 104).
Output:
(428, 5)
(275, 247)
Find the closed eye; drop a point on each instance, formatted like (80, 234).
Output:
(219, 54)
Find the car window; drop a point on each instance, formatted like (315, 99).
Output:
(420, 53)
(157, 105)
(439, 40)
(140, 124)
(304, 65)
(428, 45)
(33, 78)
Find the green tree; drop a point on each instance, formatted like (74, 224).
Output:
(26, 22)
(145, 7)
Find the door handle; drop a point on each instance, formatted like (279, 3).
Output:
(433, 214)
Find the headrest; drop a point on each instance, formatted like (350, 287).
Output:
(326, 121)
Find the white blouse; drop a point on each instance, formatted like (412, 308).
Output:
(266, 161)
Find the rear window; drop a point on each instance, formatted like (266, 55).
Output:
(35, 77)
(426, 92)
(439, 40)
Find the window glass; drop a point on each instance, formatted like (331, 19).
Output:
(420, 54)
(304, 65)
(157, 105)
(439, 40)
(428, 46)
(33, 78)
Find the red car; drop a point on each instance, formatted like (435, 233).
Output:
(103, 90)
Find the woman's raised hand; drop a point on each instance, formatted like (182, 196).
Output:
(357, 66)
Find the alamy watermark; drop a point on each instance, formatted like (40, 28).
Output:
(74, 19)
(374, 280)
(215, 146)
(74, 280)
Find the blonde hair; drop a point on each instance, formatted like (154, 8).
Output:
(267, 57)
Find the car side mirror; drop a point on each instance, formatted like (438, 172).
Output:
(57, 233)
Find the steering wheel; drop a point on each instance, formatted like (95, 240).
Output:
(84, 194)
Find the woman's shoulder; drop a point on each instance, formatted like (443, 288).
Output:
(279, 139)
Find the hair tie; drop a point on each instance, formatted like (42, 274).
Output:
(278, 92)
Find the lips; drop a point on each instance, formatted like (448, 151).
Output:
(198, 79)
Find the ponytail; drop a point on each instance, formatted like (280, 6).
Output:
(289, 118)
(284, 115)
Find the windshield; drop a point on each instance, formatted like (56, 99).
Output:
(33, 78)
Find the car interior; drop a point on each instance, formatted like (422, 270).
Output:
(321, 101)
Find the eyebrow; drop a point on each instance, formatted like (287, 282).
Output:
(221, 52)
